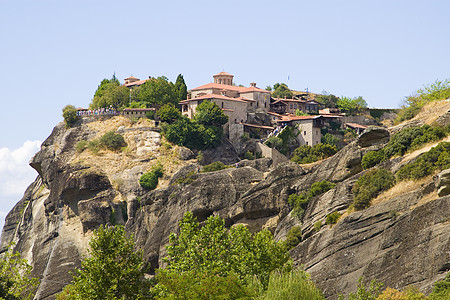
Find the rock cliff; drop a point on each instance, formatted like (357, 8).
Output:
(402, 239)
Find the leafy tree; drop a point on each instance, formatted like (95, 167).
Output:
(168, 113)
(281, 90)
(364, 292)
(158, 91)
(110, 93)
(330, 139)
(351, 105)
(212, 249)
(69, 115)
(180, 88)
(372, 158)
(327, 100)
(113, 269)
(15, 282)
(209, 113)
(268, 88)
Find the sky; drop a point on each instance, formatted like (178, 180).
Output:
(56, 52)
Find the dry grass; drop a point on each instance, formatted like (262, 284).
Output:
(424, 148)
(401, 188)
(432, 111)
(111, 162)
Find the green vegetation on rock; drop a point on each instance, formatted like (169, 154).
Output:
(307, 154)
(333, 218)
(69, 115)
(150, 179)
(370, 185)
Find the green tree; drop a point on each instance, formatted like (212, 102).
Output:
(209, 113)
(69, 115)
(15, 282)
(113, 269)
(212, 249)
(111, 93)
(180, 88)
(351, 105)
(168, 113)
(441, 289)
(327, 100)
(112, 141)
(158, 91)
(281, 90)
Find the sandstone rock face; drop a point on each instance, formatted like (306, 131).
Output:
(401, 241)
(443, 183)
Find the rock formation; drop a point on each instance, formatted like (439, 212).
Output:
(401, 240)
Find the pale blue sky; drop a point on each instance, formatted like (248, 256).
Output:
(54, 53)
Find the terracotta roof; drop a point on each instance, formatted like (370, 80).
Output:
(257, 126)
(275, 114)
(131, 77)
(227, 109)
(355, 125)
(278, 101)
(136, 83)
(222, 73)
(245, 99)
(239, 89)
(297, 118)
(214, 96)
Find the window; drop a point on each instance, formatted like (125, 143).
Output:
(306, 143)
(304, 132)
(290, 106)
(317, 132)
(222, 104)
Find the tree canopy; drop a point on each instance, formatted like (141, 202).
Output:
(111, 93)
(209, 113)
(327, 100)
(158, 91)
(281, 90)
(69, 115)
(168, 113)
(351, 105)
(180, 88)
(113, 269)
(15, 282)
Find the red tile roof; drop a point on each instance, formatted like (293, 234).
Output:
(297, 118)
(131, 77)
(140, 82)
(239, 89)
(257, 126)
(139, 109)
(222, 73)
(215, 96)
(355, 125)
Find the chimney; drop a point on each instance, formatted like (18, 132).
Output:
(253, 84)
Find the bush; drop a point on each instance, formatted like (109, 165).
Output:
(149, 180)
(441, 289)
(330, 139)
(408, 294)
(307, 154)
(333, 218)
(370, 185)
(292, 285)
(69, 115)
(112, 141)
(318, 225)
(438, 158)
(293, 237)
(81, 146)
(372, 158)
(215, 166)
(248, 155)
(300, 202)
(370, 292)
(168, 113)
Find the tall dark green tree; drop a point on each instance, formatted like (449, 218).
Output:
(180, 88)
(113, 269)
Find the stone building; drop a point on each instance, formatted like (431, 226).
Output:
(290, 106)
(308, 127)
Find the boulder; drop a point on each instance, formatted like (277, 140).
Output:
(185, 153)
(373, 136)
(443, 183)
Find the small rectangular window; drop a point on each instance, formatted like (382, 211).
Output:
(304, 132)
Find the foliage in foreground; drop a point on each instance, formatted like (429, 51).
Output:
(307, 154)
(292, 285)
(214, 250)
(299, 202)
(441, 289)
(370, 185)
(15, 282)
(370, 292)
(113, 269)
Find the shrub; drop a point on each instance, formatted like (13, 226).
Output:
(307, 154)
(292, 285)
(364, 292)
(437, 158)
(370, 185)
(300, 202)
(441, 289)
(408, 294)
(69, 115)
(293, 237)
(372, 158)
(248, 155)
(81, 146)
(149, 180)
(215, 166)
(318, 225)
(330, 139)
(333, 218)
(168, 113)
(112, 141)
